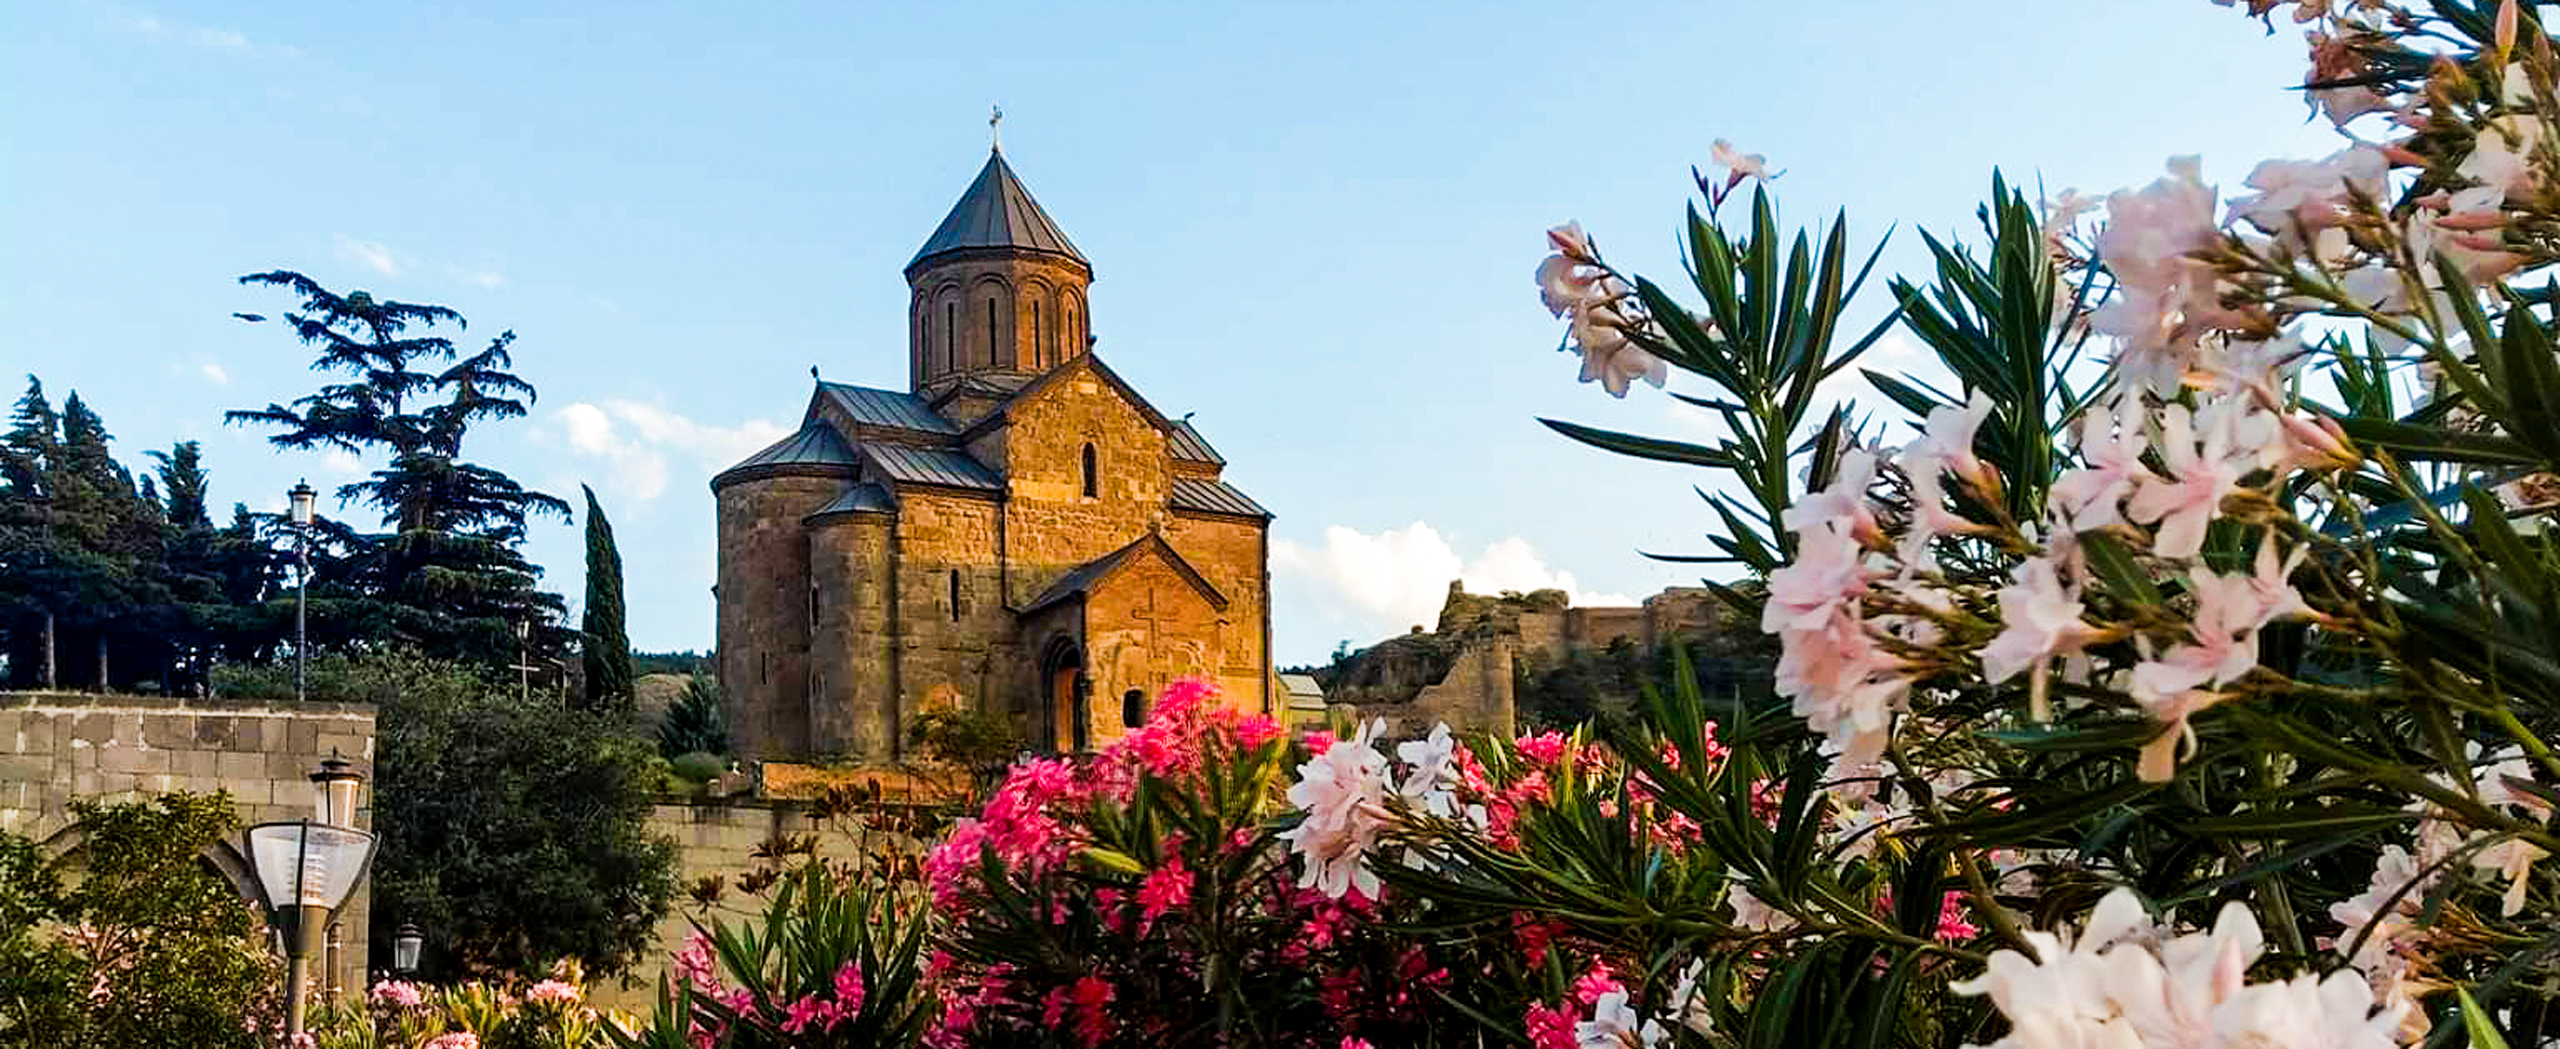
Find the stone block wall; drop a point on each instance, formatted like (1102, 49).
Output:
(712, 838)
(57, 748)
(764, 592)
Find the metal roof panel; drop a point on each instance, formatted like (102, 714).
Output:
(1215, 497)
(942, 467)
(997, 212)
(872, 406)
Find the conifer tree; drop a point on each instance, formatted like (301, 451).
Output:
(607, 641)
(448, 577)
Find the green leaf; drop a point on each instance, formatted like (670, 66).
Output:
(2475, 1022)
(1654, 448)
(2108, 558)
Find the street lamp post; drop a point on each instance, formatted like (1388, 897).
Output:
(302, 496)
(308, 867)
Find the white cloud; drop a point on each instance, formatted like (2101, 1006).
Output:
(635, 443)
(483, 278)
(1400, 577)
(213, 373)
(371, 254)
(222, 38)
(340, 462)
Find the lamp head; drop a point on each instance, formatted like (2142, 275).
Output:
(302, 496)
(406, 945)
(336, 787)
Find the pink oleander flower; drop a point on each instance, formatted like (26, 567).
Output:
(1946, 447)
(1092, 995)
(2513, 860)
(2092, 497)
(1598, 981)
(1738, 164)
(553, 991)
(1318, 741)
(455, 1040)
(1842, 505)
(398, 993)
(2203, 468)
(694, 962)
(2163, 296)
(1165, 889)
(810, 1011)
(1349, 1042)
(2374, 916)
(1342, 793)
(1551, 1027)
(303, 1040)
(2297, 199)
(849, 989)
(2040, 620)
(1544, 749)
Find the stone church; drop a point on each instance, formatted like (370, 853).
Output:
(1017, 531)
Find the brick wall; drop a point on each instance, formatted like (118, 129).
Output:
(57, 748)
(763, 638)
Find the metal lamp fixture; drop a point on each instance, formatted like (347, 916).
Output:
(303, 496)
(308, 867)
(406, 945)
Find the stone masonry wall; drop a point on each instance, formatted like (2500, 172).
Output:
(949, 652)
(57, 748)
(851, 647)
(763, 638)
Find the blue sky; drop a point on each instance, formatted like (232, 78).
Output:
(1313, 224)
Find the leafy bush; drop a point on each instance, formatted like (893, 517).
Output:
(513, 827)
(698, 768)
(131, 940)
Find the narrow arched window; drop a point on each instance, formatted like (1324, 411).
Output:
(950, 335)
(1092, 476)
(1039, 345)
(1133, 709)
(955, 595)
(813, 605)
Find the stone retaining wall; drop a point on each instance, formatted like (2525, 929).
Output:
(56, 748)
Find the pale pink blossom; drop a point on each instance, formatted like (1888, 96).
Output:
(1615, 1025)
(1342, 794)
(2297, 199)
(2513, 860)
(2163, 295)
(2501, 157)
(2091, 497)
(2375, 915)
(2203, 468)
(398, 993)
(1946, 446)
(1433, 772)
(2463, 228)
(1843, 505)
(2040, 620)
(1742, 165)
(1750, 913)
(2490, 783)
(553, 991)
(455, 1040)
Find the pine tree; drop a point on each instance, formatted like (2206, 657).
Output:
(694, 723)
(184, 484)
(449, 577)
(606, 640)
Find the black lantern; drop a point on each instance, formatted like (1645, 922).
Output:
(406, 945)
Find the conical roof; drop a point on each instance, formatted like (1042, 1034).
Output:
(997, 212)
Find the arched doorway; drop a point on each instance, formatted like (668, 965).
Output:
(1064, 686)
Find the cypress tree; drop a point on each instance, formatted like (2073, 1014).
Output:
(607, 642)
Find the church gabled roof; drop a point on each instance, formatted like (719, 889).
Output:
(816, 446)
(938, 467)
(1060, 374)
(1213, 497)
(996, 212)
(1095, 571)
(888, 409)
(1186, 444)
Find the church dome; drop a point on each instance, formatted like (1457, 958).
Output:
(997, 212)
